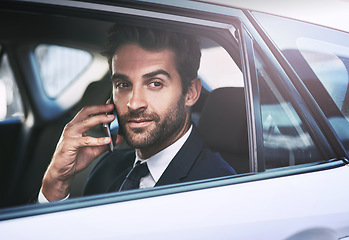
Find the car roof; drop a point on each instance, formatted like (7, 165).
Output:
(329, 13)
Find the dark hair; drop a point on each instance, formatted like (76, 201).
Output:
(186, 48)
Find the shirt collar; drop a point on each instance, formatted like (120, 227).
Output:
(159, 162)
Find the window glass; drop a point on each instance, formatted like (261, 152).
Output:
(320, 56)
(286, 140)
(330, 63)
(60, 66)
(10, 101)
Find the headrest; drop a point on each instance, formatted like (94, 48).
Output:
(223, 123)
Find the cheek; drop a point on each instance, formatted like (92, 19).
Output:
(121, 105)
(165, 105)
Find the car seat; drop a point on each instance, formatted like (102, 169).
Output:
(223, 125)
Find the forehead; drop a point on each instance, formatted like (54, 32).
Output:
(132, 57)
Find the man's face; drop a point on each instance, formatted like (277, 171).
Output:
(147, 93)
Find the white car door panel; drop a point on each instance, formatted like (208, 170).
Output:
(276, 208)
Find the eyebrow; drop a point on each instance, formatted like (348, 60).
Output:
(157, 72)
(119, 76)
(145, 76)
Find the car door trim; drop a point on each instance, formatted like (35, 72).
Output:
(111, 198)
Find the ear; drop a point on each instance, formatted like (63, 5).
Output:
(193, 92)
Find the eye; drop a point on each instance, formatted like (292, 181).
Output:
(122, 85)
(155, 84)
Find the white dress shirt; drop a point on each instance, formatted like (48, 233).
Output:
(157, 164)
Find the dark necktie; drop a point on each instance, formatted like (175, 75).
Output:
(134, 176)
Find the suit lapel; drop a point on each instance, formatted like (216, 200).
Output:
(181, 164)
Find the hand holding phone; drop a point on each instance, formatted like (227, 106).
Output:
(112, 128)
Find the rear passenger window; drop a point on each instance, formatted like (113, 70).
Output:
(11, 107)
(60, 66)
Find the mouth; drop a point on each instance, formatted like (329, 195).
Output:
(139, 123)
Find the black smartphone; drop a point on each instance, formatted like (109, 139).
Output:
(112, 128)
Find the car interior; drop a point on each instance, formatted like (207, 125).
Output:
(27, 143)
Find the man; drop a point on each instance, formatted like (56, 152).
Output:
(154, 77)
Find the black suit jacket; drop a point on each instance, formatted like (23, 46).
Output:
(194, 161)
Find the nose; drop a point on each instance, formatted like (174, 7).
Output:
(137, 99)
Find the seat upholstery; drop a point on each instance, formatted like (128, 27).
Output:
(223, 125)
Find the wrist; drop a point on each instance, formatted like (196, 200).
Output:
(55, 189)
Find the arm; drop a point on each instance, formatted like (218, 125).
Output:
(75, 151)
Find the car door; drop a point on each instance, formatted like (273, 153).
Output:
(288, 191)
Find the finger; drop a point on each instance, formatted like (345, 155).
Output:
(92, 142)
(82, 127)
(91, 111)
